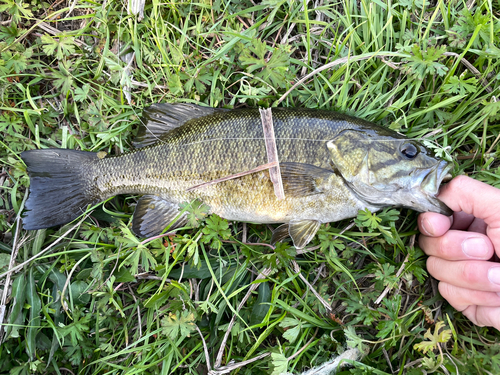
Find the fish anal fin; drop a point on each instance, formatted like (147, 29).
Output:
(153, 214)
(279, 234)
(302, 231)
(300, 180)
(159, 119)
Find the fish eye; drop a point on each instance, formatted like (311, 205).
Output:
(409, 150)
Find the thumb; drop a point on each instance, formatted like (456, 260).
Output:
(476, 198)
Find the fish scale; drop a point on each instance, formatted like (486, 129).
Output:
(223, 144)
(326, 161)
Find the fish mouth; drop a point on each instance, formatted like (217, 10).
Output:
(430, 185)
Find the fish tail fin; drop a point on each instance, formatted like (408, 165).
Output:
(60, 186)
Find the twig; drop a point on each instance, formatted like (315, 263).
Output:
(196, 289)
(19, 266)
(244, 233)
(67, 369)
(386, 355)
(289, 31)
(476, 155)
(388, 63)
(71, 8)
(400, 271)
(262, 167)
(388, 288)
(251, 243)
(159, 236)
(110, 274)
(265, 273)
(140, 84)
(411, 364)
(138, 310)
(55, 32)
(296, 269)
(304, 347)
(227, 369)
(472, 69)
(346, 59)
(342, 60)
(207, 357)
(279, 32)
(68, 279)
(147, 276)
(320, 270)
(266, 118)
(432, 133)
(13, 256)
(493, 144)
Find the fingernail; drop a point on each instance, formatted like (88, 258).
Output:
(494, 275)
(475, 247)
(427, 227)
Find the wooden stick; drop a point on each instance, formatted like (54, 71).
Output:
(266, 117)
(262, 167)
(272, 158)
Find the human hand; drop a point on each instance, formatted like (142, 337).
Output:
(464, 249)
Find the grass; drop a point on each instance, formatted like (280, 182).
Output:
(90, 298)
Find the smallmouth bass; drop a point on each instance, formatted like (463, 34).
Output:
(332, 165)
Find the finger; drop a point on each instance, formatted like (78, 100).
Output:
(433, 224)
(483, 316)
(478, 226)
(469, 274)
(461, 298)
(476, 198)
(458, 245)
(462, 220)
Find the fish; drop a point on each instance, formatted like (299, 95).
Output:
(332, 165)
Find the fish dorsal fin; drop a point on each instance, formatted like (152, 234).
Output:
(302, 231)
(159, 119)
(153, 214)
(279, 234)
(300, 180)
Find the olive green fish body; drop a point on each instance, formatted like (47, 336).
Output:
(227, 143)
(332, 165)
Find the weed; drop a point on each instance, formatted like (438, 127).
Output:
(74, 74)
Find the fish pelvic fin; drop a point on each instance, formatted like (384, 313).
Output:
(301, 180)
(159, 119)
(279, 234)
(60, 186)
(301, 232)
(153, 214)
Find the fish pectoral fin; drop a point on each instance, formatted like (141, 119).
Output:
(300, 180)
(159, 119)
(279, 234)
(302, 231)
(153, 214)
